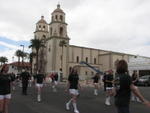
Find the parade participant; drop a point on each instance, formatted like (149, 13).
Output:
(5, 89)
(134, 81)
(109, 86)
(96, 83)
(123, 88)
(73, 85)
(38, 79)
(25, 76)
(54, 77)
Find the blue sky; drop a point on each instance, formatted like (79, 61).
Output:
(10, 46)
(13, 42)
(115, 25)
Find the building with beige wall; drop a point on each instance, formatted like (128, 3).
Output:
(56, 56)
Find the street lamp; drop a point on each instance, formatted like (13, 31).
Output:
(23, 47)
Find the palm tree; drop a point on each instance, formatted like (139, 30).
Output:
(31, 55)
(36, 44)
(62, 44)
(19, 54)
(3, 60)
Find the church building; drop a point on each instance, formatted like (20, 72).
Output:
(59, 55)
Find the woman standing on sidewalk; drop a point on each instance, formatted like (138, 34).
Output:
(123, 88)
(73, 85)
(5, 90)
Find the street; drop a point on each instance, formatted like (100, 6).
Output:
(54, 102)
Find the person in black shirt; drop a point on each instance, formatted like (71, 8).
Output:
(123, 88)
(39, 78)
(109, 86)
(73, 85)
(25, 76)
(104, 80)
(5, 89)
(96, 83)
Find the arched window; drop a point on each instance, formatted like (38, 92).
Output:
(39, 27)
(86, 73)
(61, 31)
(94, 60)
(56, 17)
(61, 17)
(86, 59)
(44, 38)
(77, 59)
(43, 27)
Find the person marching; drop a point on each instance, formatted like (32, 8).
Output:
(38, 79)
(5, 89)
(109, 86)
(96, 83)
(104, 80)
(72, 86)
(54, 77)
(25, 76)
(123, 88)
(134, 81)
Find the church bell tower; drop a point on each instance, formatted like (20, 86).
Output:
(58, 43)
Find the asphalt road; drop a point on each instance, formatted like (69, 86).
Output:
(53, 102)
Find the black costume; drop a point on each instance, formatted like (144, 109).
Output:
(108, 80)
(5, 80)
(39, 78)
(25, 76)
(73, 80)
(123, 93)
(95, 79)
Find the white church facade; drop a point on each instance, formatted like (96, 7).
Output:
(58, 54)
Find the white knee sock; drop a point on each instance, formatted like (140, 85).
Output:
(74, 106)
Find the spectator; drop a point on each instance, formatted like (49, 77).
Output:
(25, 76)
(5, 89)
(123, 88)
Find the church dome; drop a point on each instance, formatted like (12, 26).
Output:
(42, 20)
(58, 9)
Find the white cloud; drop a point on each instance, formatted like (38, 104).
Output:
(117, 25)
(8, 45)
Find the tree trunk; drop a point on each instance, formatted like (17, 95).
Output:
(37, 61)
(18, 64)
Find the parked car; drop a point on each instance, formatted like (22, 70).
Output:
(144, 80)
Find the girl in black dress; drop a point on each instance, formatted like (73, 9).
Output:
(39, 78)
(96, 83)
(72, 86)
